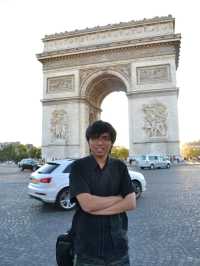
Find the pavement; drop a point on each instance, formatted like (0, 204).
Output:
(164, 230)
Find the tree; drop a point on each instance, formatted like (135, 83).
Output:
(190, 150)
(16, 152)
(35, 152)
(119, 152)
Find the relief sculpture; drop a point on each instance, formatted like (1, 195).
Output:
(59, 125)
(60, 84)
(123, 69)
(155, 120)
(153, 74)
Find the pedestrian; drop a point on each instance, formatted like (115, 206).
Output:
(103, 190)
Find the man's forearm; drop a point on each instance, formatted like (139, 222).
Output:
(90, 203)
(127, 203)
(101, 203)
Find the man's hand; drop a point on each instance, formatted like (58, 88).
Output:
(91, 203)
(125, 204)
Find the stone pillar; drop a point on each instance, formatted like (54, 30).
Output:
(84, 122)
(60, 137)
(152, 100)
(61, 115)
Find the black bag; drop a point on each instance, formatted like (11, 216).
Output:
(64, 249)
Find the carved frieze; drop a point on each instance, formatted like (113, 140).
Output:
(133, 23)
(124, 70)
(109, 35)
(155, 120)
(108, 56)
(60, 84)
(59, 125)
(153, 74)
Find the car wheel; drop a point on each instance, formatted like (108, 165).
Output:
(63, 200)
(138, 188)
(168, 165)
(152, 166)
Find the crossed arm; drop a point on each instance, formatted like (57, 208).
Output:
(110, 205)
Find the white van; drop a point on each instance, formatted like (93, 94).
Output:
(153, 161)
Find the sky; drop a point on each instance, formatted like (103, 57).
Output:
(24, 23)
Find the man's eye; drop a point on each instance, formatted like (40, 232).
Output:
(106, 138)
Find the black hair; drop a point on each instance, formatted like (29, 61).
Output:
(100, 127)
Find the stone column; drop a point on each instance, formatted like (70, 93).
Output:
(83, 123)
(153, 118)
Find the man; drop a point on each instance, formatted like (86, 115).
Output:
(103, 190)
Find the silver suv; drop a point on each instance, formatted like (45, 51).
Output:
(152, 161)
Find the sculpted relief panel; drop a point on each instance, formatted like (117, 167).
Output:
(153, 74)
(59, 125)
(60, 84)
(124, 70)
(155, 120)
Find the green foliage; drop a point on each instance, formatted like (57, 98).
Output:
(191, 150)
(16, 152)
(119, 152)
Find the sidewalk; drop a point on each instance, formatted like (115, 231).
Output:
(188, 163)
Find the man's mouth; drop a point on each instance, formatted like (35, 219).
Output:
(99, 150)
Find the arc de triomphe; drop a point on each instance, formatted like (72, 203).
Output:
(81, 67)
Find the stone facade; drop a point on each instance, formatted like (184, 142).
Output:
(83, 66)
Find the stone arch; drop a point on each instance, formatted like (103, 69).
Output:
(81, 67)
(101, 83)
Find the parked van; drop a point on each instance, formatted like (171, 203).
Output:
(153, 161)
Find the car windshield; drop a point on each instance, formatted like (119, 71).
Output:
(48, 168)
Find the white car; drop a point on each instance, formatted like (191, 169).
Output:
(50, 183)
(153, 162)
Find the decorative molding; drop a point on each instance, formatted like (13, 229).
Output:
(60, 84)
(157, 141)
(153, 74)
(154, 92)
(123, 69)
(108, 37)
(47, 102)
(114, 55)
(155, 120)
(170, 38)
(131, 23)
(60, 145)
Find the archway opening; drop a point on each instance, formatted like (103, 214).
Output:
(106, 94)
(115, 111)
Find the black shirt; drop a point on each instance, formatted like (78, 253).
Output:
(100, 235)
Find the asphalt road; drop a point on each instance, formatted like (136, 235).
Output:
(164, 229)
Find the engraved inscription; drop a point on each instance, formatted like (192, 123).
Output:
(109, 36)
(155, 119)
(60, 84)
(153, 74)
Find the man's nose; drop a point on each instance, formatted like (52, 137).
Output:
(99, 141)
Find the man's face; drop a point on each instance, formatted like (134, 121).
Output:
(101, 146)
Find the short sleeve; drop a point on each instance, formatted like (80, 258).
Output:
(77, 183)
(127, 186)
